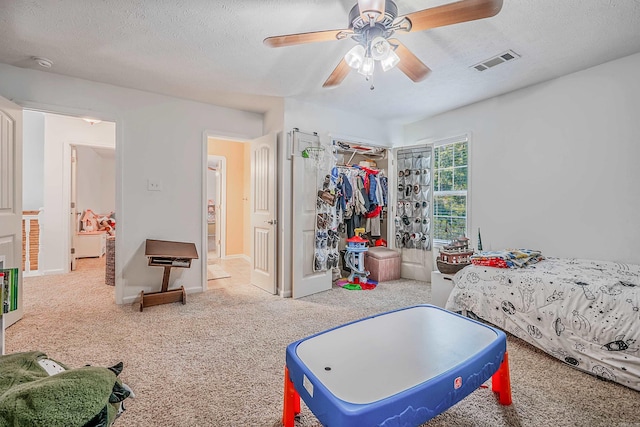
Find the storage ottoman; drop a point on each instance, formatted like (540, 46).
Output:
(383, 263)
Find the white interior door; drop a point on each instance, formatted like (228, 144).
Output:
(263, 212)
(73, 218)
(221, 216)
(304, 196)
(10, 201)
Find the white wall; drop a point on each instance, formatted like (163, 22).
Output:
(325, 121)
(555, 166)
(158, 137)
(95, 182)
(32, 160)
(108, 181)
(88, 181)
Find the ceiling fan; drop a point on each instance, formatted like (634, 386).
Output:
(372, 24)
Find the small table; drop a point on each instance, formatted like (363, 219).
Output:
(403, 367)
(167, 254)
(441, 287)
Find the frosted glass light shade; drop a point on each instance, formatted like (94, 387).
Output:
(367, 67)
(355, 57)
(390, 61)
(380, 48)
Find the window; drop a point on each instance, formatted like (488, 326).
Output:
(450, 186)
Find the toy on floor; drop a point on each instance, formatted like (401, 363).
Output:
(36, 391)
(354, 260)
(381, 382)
(344, 283)
(96, 222)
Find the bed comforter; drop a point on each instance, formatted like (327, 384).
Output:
(583, 312)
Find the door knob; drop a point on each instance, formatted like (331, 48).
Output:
(272, 222)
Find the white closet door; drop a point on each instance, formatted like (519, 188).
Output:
(304, 194)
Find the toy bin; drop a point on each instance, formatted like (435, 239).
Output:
(382, 263)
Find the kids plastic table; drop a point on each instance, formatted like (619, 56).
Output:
(402, 367)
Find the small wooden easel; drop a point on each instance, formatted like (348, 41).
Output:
(163, 253)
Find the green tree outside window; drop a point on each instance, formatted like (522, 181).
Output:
(450, 184)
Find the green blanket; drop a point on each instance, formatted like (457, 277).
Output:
(83, 397)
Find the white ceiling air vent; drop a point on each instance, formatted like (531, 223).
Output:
(496, 60)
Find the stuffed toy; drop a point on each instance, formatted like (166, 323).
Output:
(95, 222)
(36, 391)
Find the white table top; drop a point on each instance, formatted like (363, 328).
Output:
(373, 359)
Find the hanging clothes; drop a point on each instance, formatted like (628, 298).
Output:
(362, 194)
(373, 226)
(382, 189)
(361, 201)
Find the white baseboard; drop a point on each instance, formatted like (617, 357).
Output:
(48, 272)
(32, 273)
(240, 256)
(287, 294)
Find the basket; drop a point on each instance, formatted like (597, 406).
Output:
(110, 270)
(447, 268)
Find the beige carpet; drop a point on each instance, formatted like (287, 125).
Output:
(218, 360)
(214, 271)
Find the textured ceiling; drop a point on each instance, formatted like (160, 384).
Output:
(212, 51)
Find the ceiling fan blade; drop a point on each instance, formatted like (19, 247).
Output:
(452, 13)
(338, 74)
(312, 37)
(409, 63)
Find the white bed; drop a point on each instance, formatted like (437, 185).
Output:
(585, 313)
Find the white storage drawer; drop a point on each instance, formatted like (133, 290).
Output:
(91, 244)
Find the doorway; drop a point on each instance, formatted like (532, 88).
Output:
(92, 202)
(47, 175)
(216, 208)
(224, 200)
(248, 213)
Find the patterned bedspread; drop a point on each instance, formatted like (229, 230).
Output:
(585, 313)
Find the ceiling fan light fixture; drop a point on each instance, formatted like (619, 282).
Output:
(378, 20)
(390, 61)
(366, 69)
(355, 57)
(371, 10)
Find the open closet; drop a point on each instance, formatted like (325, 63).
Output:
(378, 198)
(352, 201)
(382, 195)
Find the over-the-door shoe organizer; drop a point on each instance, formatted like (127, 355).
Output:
(413, 211)
(326, 255)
